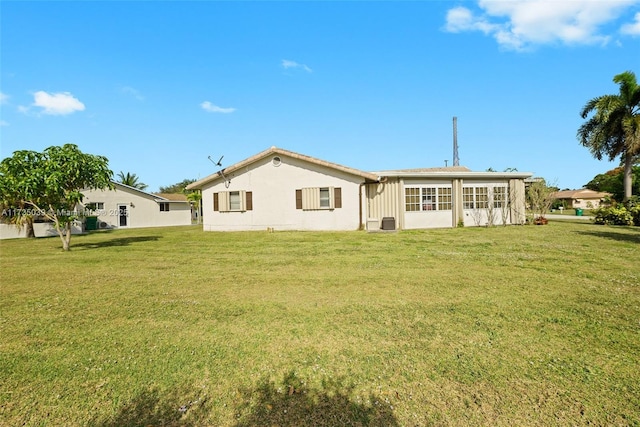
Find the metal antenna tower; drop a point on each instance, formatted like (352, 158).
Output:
(456, 159)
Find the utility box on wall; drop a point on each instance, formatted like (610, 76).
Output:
(388, 223)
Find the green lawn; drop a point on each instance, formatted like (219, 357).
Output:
(529, 325)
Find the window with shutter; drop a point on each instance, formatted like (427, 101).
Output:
(319, 198)
(233, 201)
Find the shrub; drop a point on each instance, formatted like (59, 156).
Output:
(635, 214)
(613, 215)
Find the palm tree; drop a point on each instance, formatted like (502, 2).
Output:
(614, 128)
(131, 179)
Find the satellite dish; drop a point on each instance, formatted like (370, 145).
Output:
(221, 172)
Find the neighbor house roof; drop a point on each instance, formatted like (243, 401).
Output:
(279, 151)
(156, 197)
(173, 197)
(583, 193)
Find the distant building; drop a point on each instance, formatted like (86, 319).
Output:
(581, 199)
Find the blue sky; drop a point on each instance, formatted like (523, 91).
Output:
(157, 87)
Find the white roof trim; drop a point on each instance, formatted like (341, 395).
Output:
(458, 174)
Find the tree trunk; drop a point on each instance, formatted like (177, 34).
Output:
(66, 243)
(28, 224)
(65, 235)
(628, 173)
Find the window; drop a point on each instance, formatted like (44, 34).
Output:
(427, 199)
(475, 197)
(317, 198)
(467, 198)
(95, 206)
(482, 197)
(325, 199)
(164, 207)
(499, 197)
(412, 199)
(233, 201)
(444, 199)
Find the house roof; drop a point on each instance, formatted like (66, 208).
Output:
(583, 193)
(439, 172)
(279, 151)
(173, 197)
(158, 198)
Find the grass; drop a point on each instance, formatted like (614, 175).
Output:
(532, 325)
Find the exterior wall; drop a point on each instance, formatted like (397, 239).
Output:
(388, 199)
(486, 216)
(141, 209)
(273, 194)
(428, 218)
(383, 200)
(40, 229)
(517, 201)
(585, 203)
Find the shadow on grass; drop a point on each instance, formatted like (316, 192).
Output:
(293, 403)
(608, 233)
(122, 241)
(180, 407)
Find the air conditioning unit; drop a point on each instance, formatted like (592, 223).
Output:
(103, 224)
(388, 223)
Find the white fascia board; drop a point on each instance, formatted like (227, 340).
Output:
(455, 175)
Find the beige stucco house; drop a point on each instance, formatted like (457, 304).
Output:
(128, 207)
(581, 199)
(284, 190)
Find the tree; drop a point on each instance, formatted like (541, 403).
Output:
(613, 130)
(131, 179)
(178, 187)
(48, 184)
(612, 182)
(195, 197)
(540, 198)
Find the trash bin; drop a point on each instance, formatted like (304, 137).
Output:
(91, 223)
(578, 212)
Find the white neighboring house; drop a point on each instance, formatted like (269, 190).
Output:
(284, 190)
(126, 206)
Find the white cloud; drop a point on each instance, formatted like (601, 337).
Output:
(4, 98)
(520, 24)
(632, 29)
(56, 104)
(286, 64)
(128, 90)
(207, 106)
(3, 123)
